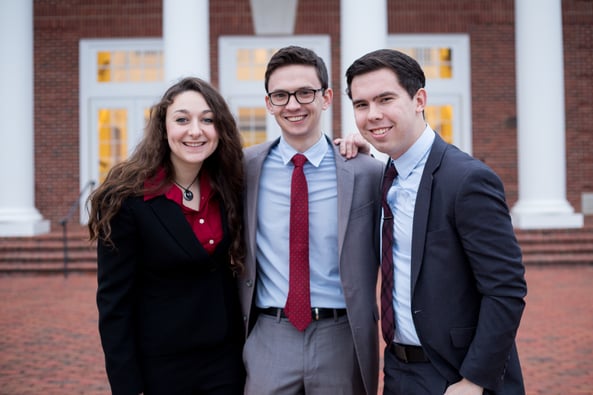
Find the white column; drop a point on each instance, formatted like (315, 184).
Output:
(363, 28)
(18, 215)
(186, 38)
(541, 118)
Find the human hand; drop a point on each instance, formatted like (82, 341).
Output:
(352, 144)
(464, 387)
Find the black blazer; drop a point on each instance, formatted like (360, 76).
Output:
(159, 292)
(468, 284)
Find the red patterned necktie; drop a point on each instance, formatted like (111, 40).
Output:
(387, 315)
(298, 303)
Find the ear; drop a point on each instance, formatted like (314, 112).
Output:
(420, 99)
(269, 105)
(327, 98)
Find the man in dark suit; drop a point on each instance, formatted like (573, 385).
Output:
(453, 287)
(338, 351)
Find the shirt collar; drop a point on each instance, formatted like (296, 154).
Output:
(314, 154)
(406, 163)
(151, 183)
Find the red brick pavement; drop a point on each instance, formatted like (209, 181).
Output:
(49, 342)
(555, 340)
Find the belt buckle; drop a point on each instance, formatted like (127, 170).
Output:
(405, 355)
(316, 313)
(401, 353)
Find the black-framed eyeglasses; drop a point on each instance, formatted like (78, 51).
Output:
(303, 96)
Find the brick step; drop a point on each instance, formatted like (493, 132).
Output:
(45, 253)
(557, 246)
(558, 259)
(560, 248)
(584, 237)
(47, 256)
(46, 246)
(43, 267)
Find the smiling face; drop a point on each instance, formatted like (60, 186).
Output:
(385, 114)
(191, 134)
(300, 123)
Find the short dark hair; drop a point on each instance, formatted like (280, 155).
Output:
(407, 70)
(297, 55)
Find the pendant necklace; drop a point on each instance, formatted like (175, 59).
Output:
(187, 194)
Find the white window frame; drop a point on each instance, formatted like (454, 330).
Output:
(92, 92)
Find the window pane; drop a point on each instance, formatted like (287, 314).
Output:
(129, 66)
(252, 125)
(153, 66)
(103, 69)
(113, 137)
(251, 63)
(440, 118)
(135, 65)
(436, 62)
(146, 113)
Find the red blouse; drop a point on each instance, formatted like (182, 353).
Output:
(206, 222)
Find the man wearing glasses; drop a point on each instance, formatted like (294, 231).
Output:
(309, 305)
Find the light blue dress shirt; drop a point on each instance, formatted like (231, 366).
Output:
(402, 201)
(273, 217)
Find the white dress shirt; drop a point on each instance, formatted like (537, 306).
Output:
(402, 201)
(272, 235)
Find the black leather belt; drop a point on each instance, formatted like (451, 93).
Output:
(408, 354)
(317, 313)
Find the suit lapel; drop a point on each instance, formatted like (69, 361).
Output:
(422, 208)
(254, 159)
(345, 184)
(174, 222)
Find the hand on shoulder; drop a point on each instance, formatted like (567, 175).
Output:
(352, 144)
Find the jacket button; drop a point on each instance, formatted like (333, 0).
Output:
(249, 283)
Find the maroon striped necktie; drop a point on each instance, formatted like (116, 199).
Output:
(387, 315)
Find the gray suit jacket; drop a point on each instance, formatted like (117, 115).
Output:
(359, 209)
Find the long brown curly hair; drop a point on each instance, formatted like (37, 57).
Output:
(224, 167)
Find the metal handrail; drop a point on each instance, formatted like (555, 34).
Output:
(64, 222)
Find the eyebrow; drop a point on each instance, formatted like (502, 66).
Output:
(383, 94)
(185, 111)
(296, 90)
(379, 96)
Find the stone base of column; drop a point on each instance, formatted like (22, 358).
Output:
(545, 215)
(24, 229)
(22, 223)
(547, 221)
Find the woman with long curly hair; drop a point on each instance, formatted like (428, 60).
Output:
(168, 226)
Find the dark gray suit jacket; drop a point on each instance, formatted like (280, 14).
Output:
(468, 284)
(358, 212)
